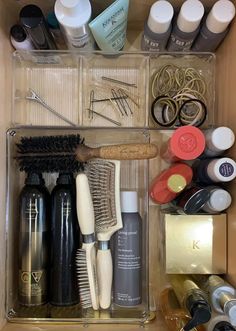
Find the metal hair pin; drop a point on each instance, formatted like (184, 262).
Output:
(35, 97)
(116, 81)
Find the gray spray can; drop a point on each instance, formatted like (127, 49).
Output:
(127, 289)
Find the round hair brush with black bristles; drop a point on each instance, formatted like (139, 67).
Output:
(68, 152)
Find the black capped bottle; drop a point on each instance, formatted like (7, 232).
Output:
(128, 254)
(65, 240)
(34, 242)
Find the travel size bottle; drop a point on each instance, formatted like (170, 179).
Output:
(127, 288)
(186, 26)
(210, 171)
(218, 140)
(158, 27)
(215, 27)
(222, 296)
(193, 299)
(171, 182)
(73, 17)
(218, 201)
(19, 38)
(65, 239)
(186, 143)
(34, 242)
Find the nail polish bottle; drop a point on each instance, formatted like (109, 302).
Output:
(215, 27)
(158, 27)
(186, 26)
(186, 143)
(193, 299)
(167, 185)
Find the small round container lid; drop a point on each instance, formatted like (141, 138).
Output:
(220, 16)
(223, 326)
(160, 16)
(176, 183)
(187, 142)
(223, 138)
(197, 201)
(190, 15)
(220, 200)
(70, 3)
(129, 201)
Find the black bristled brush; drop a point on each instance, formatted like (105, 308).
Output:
(60, 153)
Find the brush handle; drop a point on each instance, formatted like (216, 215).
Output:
(104, 272)
(84, 205)
(117, 152)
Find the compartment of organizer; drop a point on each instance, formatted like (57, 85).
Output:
(182, 90)
(134, 176)
(55, 79)
(123, 80)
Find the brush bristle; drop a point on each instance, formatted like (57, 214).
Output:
(101, 175)
(53, 163)
(83, 279)
(49, 144)
(49, 153)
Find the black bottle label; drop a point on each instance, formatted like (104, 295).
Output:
(33, 286)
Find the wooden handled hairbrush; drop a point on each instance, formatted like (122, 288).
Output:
(68, 153)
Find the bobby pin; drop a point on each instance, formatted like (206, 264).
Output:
(124, 101)
(118, 81)
(114, 94)
(105, 117)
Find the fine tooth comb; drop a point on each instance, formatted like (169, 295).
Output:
(104, 180)
(56, 153)
(86, 256)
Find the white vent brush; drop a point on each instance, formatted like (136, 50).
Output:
(86, 256)
(104, 180)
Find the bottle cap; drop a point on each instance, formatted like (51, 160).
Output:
(18, 33)
(31, 16)
(222, 170)
(190, 15)
(220, 16)
(160, 16)
(176, 183)
(34, 179)
(52, 21)
(129, 202)
(187, 142)
(230, 310)
(199, 309)
(223, 326)
(193, 199)
(65, 179)
(222, 138)
(219, 200)
(70, 3)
